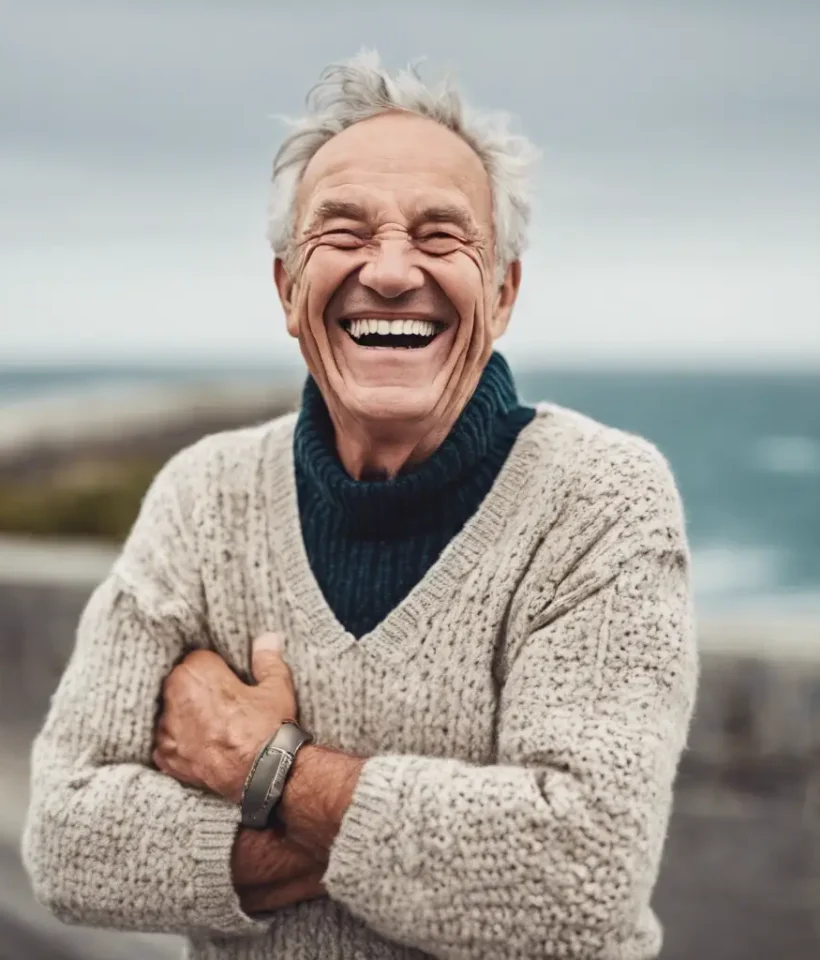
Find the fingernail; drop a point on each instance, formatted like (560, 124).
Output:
(274, 642)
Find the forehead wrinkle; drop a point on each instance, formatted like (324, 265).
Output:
(418, 209)
(370, 152)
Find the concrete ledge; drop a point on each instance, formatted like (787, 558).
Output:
(26, 561)
(792, 637)
(757, 724)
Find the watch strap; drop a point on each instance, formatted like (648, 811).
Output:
(268, 775)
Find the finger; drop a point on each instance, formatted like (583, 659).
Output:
(162, 732)
(203, 658)
(266, 659)
(201, 669)
(262, 899)
(166, 747)
(160, 739)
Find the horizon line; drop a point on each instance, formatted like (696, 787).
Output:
(240, 362)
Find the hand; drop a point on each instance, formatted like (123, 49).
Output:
(262, 858)
(270, 897)
(212, 725)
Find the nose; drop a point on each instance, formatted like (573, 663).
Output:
(391, 272)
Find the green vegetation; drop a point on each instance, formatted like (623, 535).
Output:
(88, 498)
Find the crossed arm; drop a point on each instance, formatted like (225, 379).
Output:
(272, 869)
(210, 727)
(149, 799)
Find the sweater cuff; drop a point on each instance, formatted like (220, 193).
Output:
(368, 828)
(215, 900)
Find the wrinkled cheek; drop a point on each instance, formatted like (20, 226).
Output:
(324, 271)
(481, 339)
(312, 335)
(303, 295)
(309, 292)
(464, 281)
(320, 278)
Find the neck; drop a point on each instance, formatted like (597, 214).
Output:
(438, 491)
(369, 451)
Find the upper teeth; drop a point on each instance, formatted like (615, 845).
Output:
(420, 328)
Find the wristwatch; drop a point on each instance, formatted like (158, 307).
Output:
(266, 779)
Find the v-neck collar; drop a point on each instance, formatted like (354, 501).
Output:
(397, 636)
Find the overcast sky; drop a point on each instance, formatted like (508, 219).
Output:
(678, 213)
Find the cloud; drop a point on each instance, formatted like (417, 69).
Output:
(679, 212)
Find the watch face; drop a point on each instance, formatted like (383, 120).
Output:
(277, 784)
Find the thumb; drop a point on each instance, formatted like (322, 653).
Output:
(266, 657)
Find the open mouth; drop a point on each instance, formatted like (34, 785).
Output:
(406, 333)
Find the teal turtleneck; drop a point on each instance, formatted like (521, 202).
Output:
(370, 542)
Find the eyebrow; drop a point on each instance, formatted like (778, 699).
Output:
(446, 213)
(336, 209)
(437, 213)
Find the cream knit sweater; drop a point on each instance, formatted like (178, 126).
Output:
(524, 708)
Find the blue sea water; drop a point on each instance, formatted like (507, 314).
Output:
(745, 448)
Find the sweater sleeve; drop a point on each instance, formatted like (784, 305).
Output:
(109, 840)
(554, 850)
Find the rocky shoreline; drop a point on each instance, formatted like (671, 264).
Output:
(42, 435)
(80, 467)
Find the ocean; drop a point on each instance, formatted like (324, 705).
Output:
(745, 448)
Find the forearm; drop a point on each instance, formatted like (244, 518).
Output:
(108, 840)
(280, 867)
(491, 861)
(125, 847)
(554, 849)
(317, 795)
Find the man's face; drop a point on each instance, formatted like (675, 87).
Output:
(391, 286)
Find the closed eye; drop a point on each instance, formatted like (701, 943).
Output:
(438, 243)
(344, 236)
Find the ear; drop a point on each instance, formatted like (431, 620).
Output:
(505, 298)
(284, 285)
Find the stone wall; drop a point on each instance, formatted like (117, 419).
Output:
(741, 872)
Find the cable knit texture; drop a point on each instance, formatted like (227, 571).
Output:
(523, 708)
(370, 542)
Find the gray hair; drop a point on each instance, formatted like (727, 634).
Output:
(361, 88)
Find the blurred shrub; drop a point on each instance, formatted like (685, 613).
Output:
(85, 499)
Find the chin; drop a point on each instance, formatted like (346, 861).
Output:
(386, 377)
(392, 403)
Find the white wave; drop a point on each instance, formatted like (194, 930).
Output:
(725, 571)
(794, 604)
(785, 454)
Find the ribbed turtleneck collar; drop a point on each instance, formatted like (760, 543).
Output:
(450, 481)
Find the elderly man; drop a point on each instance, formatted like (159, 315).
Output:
(408, 674)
